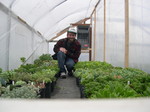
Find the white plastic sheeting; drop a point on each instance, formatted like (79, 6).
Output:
(139, 31)
(140, 34)
(115, 32)
(51, 16)
(18, 40)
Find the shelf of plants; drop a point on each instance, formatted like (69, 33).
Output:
(102, 80)
(30, 80)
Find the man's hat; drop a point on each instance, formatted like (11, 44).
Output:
(72, 30)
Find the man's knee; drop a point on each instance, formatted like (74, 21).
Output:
(70, 65)
(60, 53)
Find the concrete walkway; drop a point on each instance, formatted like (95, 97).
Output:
(66, 89)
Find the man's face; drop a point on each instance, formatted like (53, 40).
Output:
(71, 36)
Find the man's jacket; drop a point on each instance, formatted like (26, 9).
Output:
(73, 49)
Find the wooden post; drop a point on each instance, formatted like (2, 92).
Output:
(126, 64)
(90, 46)
(94, 35)
(91, 51)
(104, 31)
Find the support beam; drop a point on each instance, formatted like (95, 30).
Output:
(126, 64)
(104, 56)
(90, 52)
(59, 34)
(81, 22)
(65, 30)
(95, 8)
(94, 55)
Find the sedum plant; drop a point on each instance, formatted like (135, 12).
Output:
(27, 91)
(2, 89)
(46, 75)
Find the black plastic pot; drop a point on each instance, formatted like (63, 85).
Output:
(42, 92)
(48, 90)
(53, 85)
(77, 81)
(82, 94)
(57, 75)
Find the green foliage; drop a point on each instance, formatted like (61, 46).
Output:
(2, 81)
(115, 90)
(2, 89)
(1, 70)
(43, 70)
(28, 92)
(46, 75)
(23, 59)
(93, 65)
(20, 83)
(43, 59)
(28, 68)
(8, 75)
(91, 88)
(147, 91)
(102, 80)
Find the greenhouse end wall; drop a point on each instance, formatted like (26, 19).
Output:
(18, 40)
(139, 30)
(139, 34)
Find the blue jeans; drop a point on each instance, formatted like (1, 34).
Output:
(64, 60)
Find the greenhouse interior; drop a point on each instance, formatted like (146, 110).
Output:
(113, 71)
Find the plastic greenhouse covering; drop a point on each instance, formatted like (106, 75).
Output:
(26, 26)
(139, 30)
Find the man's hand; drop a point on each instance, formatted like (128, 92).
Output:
(63, 50)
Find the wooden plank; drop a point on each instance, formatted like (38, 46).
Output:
(23, 21)
(94, 36)
(104, 55)
(126, 64)
(90, 52)
(59, 34)
(53, 41)
(81, 22)
(86, 50)
(66, 29)
(95, 8)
